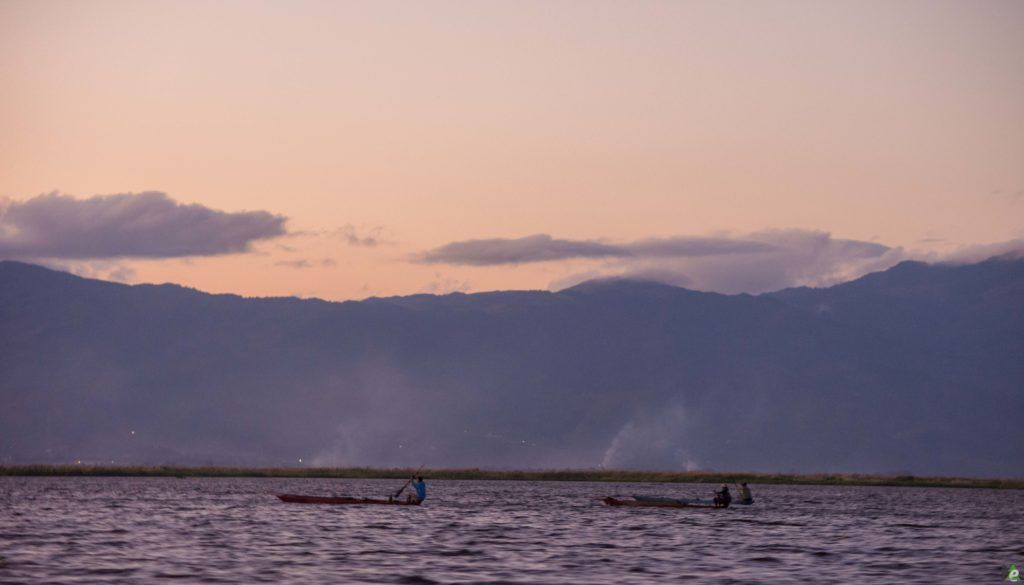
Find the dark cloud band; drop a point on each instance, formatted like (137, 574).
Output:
(537, 248)
(544, 248)
(139, 225)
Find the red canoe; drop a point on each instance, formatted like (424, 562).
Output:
(654, 504)
(343, 500)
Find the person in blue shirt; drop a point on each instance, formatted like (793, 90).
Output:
(421, 489)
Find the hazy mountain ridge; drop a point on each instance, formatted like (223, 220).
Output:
(918, 369)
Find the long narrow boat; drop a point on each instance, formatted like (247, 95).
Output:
(690, 501)
(344, 500)
(655, 503)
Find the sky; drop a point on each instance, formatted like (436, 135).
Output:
(343, 150)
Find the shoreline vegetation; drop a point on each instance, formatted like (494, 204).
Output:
(596, 475)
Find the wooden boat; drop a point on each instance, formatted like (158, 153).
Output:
(691, 501)
(656, 503)
(292, 498)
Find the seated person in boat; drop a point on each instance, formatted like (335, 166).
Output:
(421, 490)
(722, 497)
(745, 497)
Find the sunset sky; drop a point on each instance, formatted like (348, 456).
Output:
(349, 149)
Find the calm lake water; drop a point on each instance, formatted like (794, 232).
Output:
(136, 530)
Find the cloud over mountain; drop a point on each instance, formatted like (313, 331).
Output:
(968, 254)
(757, 262)
(792, 258)
(139, 225)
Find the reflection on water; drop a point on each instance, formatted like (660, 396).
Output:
(93, 530)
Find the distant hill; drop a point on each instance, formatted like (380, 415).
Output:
(918, 369)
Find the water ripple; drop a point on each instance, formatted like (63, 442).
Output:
(130, 530)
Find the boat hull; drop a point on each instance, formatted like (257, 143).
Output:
(690, 501)
(659, 503)
(343, 501)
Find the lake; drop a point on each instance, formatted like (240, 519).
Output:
(231, 530)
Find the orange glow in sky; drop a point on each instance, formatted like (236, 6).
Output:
(385, 130)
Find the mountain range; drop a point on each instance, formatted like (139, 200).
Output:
(917, 369)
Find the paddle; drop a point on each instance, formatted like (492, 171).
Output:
(407, 482)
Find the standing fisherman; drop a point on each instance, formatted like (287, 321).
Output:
(421, 489)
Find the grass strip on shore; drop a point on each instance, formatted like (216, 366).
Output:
(600, 475)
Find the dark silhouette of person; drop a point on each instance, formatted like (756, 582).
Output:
(722, 497)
